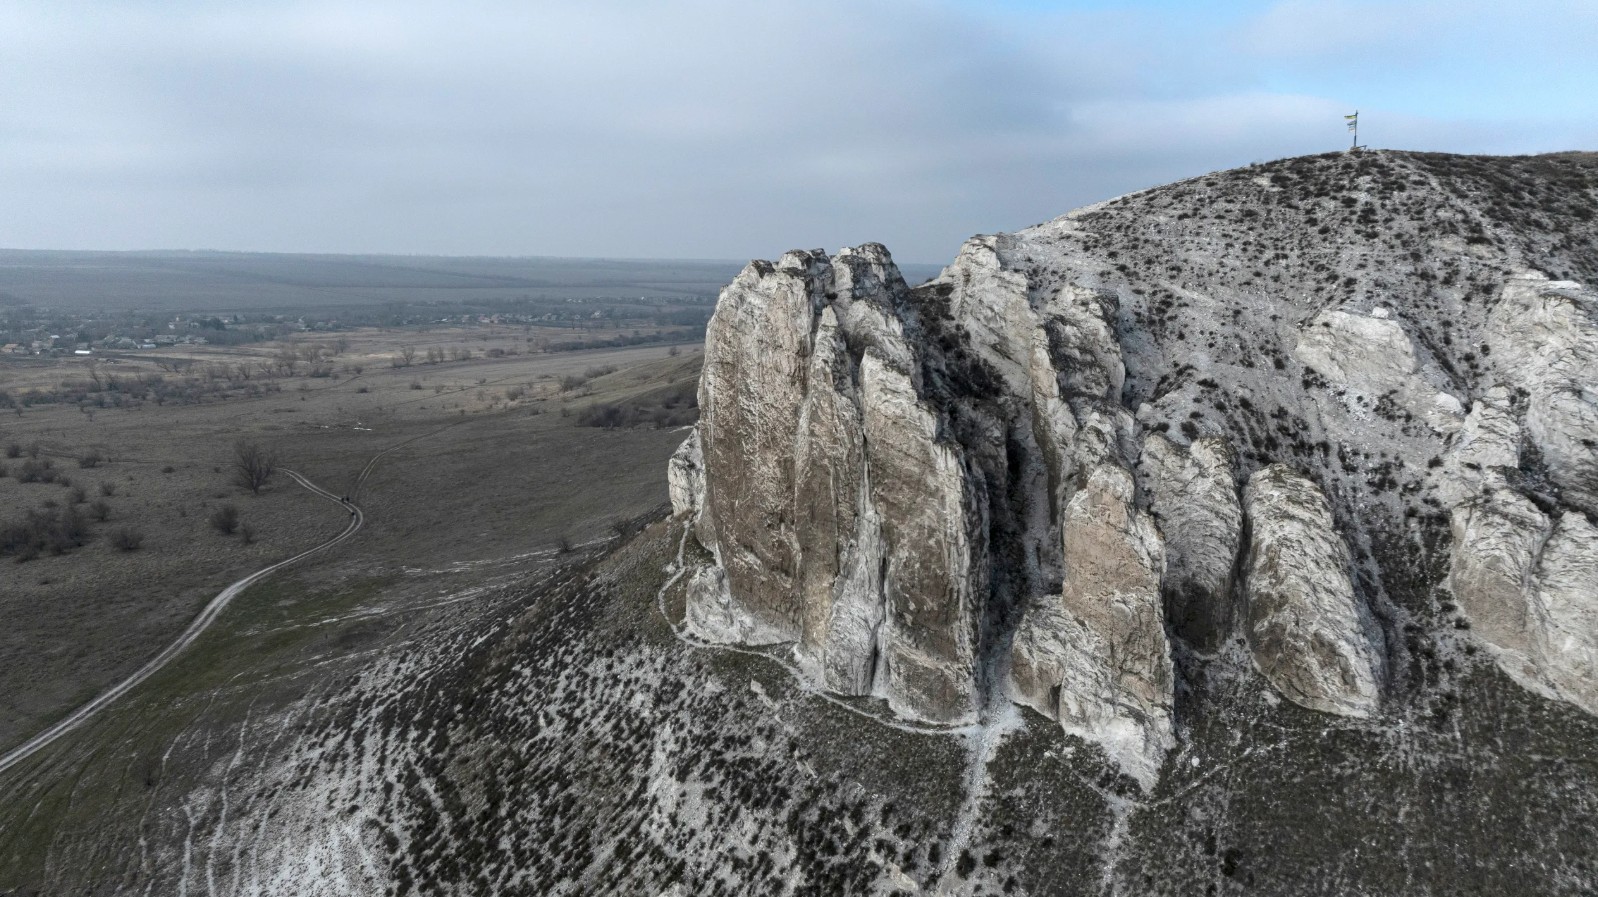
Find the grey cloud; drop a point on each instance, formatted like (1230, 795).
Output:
(702, 128)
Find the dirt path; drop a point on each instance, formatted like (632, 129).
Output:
(199, 625)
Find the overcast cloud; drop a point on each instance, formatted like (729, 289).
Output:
(720, 129)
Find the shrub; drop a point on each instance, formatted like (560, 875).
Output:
(246, 533)
(108, 489)
(90, 459)
(37, 470)
(127, 539)
(56, 531)
(101, 509)
(79, 495)
(224, 519)
(13, 450)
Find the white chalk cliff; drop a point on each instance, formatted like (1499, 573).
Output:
(1128, 439)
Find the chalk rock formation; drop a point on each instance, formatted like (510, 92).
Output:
(1193, 497)
(1310, 634)
(940, 495)
(1529, 586)
(1096, 657)
(1544, 339)
(1498, 537)
(1487, 446)
(1565, 647)
(685, 477)
(1527, 583)
(836, 510)
(1372, 356)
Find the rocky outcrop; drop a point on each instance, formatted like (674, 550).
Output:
(1374, 358)
(1520, 478)
(931, 579)
(1544, 340)
(749, 397)
(1498, 538)
(1311, 636)
(1529, 586)
(1193, 497)
(1565, 646)
(940, 496)
(1488, 445)
(1095, 657)
(837, 512)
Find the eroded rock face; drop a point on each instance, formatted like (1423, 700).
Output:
(930, 578)
(1498, 538)
(1373, 356)
(838, 513)
(1487, 446)
(1524, 572)
(1310, 634)
(685, 478)
(940, 495)
(1095, 657)
(1565, 648)
(1527, 583)
(1194, 499)
(1529, 586)
(1544, 340)
(750, 394)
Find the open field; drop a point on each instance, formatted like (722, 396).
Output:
(231, 281)
(483, 462)
(306, 362)
(227, 281)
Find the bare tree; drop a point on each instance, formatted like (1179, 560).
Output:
(253, 465)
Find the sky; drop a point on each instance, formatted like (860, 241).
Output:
(720, 129)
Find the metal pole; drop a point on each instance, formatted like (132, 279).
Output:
(1355, 146)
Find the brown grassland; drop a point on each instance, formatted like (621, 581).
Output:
(485, 467)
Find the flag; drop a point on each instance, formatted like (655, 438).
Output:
(1353, 121)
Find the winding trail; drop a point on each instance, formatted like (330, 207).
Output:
(198, 626)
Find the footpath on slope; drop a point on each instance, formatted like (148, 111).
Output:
(203, 621)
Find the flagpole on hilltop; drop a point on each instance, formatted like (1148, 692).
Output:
(1353, 125)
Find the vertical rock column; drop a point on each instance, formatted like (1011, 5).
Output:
(757, 346)
(1095, 658)
(1311, 635)
(932, 568)
(1194, 499)
(841, 519)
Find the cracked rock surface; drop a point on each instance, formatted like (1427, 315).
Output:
(1018, 482)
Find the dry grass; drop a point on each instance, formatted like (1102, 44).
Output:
(484, 466)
